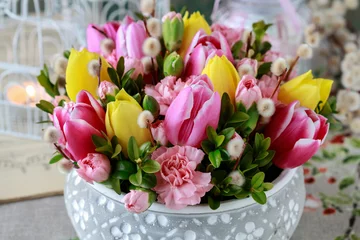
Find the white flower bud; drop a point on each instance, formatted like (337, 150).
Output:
(147, 7)
(339, 7)
(151, 47)
(347, 80)
(313, 39)
(154, 27)
(355, 125)
(251, 53)
(278, 67)
(318, 18)
(235, 147)
(237, 178)
(144, 118)
(65, 166)
(246, 36)
(245, 69)
(351, 4)
(94, 67)
(350, 47)
(304, 51)
(107, 45)
(148, 64)
(60, 65)
(349, 100)
(51, 134)
(338, 22)
(310, 29)
(266, 107)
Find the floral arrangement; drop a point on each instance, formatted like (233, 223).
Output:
(183, 113)
(341, 55)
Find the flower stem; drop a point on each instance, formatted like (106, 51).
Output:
(291, 68)
(151, 136)
(248, 44)
(280, 79)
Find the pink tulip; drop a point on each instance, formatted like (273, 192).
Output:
(112, 58)
(296, 134)
(195, 108)
(107, 88)
(178, 182)
(232, 35)
(136, 64)
(136, 201)
(247, 92)
(267, 86)
(95, 34)
(77, 123)
(94, 167)
(204, 47)
(167, 89)
(158, 132)
(130, 38)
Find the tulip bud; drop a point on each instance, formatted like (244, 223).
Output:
(150, 104)
(173, 30)
(107, 89)
(173, 65)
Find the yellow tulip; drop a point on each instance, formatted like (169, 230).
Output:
(77, 74)
(223, 75)
(191, 26)
(307, 90)
(121, 120)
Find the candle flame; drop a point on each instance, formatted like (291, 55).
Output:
(30, 90)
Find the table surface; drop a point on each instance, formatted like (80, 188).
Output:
(329, 211)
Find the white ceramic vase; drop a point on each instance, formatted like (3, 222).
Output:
(97, 214)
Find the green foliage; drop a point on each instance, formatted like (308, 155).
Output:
(44, 81)
(236, 50)
(263, 69)
(56, 158)
(46, 106)
(346, 182)
(352, 159)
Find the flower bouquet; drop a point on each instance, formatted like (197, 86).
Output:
(177, 113)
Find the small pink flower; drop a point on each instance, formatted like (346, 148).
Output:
(202, 48)
(267, 86)
(136, 201)
(136, 64)
(247, 92)
(203, 80)
(296, 134)
(232, 35)
(165, 92)
(95, 167)
(158, 132)
(107, 88)
(192, 111)
(178, 182)
(271, 56)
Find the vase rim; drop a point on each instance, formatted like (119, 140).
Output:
(229, 205)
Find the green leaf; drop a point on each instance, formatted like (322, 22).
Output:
(355, 142)
(213, 203)
(98, 141)
(257, 180)
(249, 168)
(66, 54)
(106, 149)
(268, 186)
(148, 181)
(346, 182)
(45, 82)
(259, 197)
(211, 133)
(236, 49)
(207, 146)
(266, 46)
(263, 69)
(133, 149)
(114, 76)
(137, 178)
(45, 106)
(124, 169)
(227, 110)
(117, 151)
(356, 212)
(238, 117)
(265, 161)
(352, 159)
(215, 158)
(246, 159)
(144, 148)
(251, 124)
(115, 184)
(242, 194)
(56, 158)
(228, 133)
(120, 67)
(150, 166)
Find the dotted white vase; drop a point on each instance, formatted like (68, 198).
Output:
(97, 214)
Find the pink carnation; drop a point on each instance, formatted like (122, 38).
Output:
(95, 167)
(158, 132)
(165, 92)
(178, 184)
(136, 201)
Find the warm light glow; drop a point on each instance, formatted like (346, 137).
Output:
(30, 90)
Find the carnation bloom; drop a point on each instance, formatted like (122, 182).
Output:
(136, 201)
(178, 182)
(94, 167)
